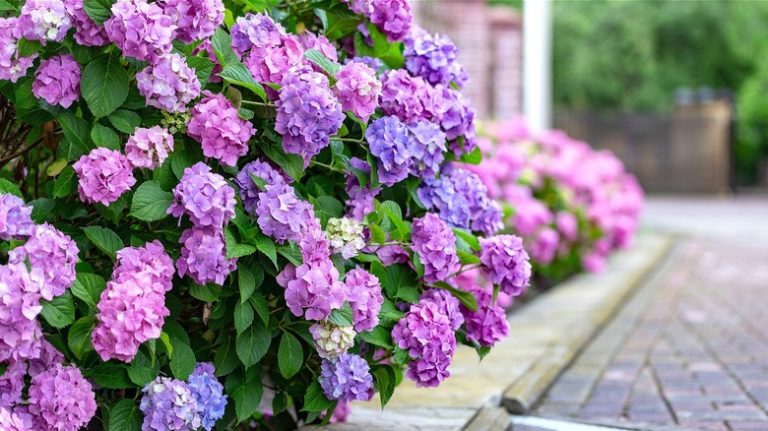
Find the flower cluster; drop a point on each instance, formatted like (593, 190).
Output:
(104, 175)
(361, 197)
(345, 236)
(249, 190)
(506, 262)
(204, 196)
(332, 341)
(365, 299)
(488, 324)
(433, 57)
(13, 65)
(194, 19)
(168, 83)
(60, 399)
(434, 242)
(346, 378)
(148, 147)
(57, 81)
(15, 217)
(140, 29)
(87, 32)
(358, 89)
(217, 127)
(44, 20)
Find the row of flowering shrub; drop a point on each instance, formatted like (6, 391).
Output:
(235, 212)
(573, 205)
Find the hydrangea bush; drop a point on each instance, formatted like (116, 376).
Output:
(573, 205)
(232, 213)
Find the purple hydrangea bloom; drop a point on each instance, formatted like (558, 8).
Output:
(15, 217)
(393, 254)
(204, 196)
(255, 30)
(20, 334)
(447, 304)
(461, 199)
(332, 341)
(313, 242)
(47, 358)
(280, 213)
(151, 259)
(410, 98)
(390, 143)
(148, 148)
(16, 419)
(61, 399)
(506, 262)
(57, 81)
(364, 296)
(203, 256)
(44, 20)
(168, 83)
(426, 333)
(272, 63)
(141, 30)
(309, 40)
(249, 190)
(360, 7)
(347, 378)
(87, 32)
(194, 19)
(168, 405)
(567, 225)
(458, 121)
(308, 113)
(358, 89)
(433, 57)
(393, 17)
(435, 244)
(312, 290)
(360, 202)
(544, 245)
(12, 384)
(12, 65)
(374, 63)
(217, 127)
(104, 175)
(52, 257)
(488, 324)
(427, 147)
(209, 394)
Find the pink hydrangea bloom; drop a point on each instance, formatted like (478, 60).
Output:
(365, 299)
(57, 81)
(61, 399)
(217, 127)
(358, 89)
(12, 384)
(411, 98)
(140, 29)
(47, 358)
(44, 20)
(15, 217)
(52, 257)
(87, 32)
(168, 83)
(203, 256)
(312, 291)
(506, 262)
(104, 175)
(148, 148)
(20, 333)
(255, 30)
(12, 65)
(310, 40)
(270, 64)
(17, 419)
(488, 324)
(195, 19)
(204, 196)
(393, 17)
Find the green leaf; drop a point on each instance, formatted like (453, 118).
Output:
(150, 202)
(267, 247)
(60, 311)
(203, 68)
(234, 249)
(395, 214)
(467, 258)
(79, 337)
(104, 239)
(55, 168)
(104, 85)
(318, 58)
(466, 298)
(474, 157)
(246, 390)
(125, 416)
(341, 316)
(4, 6)
(182, 358)
(291, 164)
(226, 359)
(377, 234)
(259, 303)
(291, 252)
(315, 400)
(76, 131)
(141, 370)
(378, 336)
(103, 136)
(290, 355)
(385, 383)
(248, 281)
(125, 121)
(468, 238)
(98, 10)
(65, 184)
(243, 316)
(236, 73)
(9, 187)
(88, 287)
(109, 375)
(222, 47)
(205, 293)
(41, 208)
(253, 344)
(27, 48)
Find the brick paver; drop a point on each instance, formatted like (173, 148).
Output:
(690, 349)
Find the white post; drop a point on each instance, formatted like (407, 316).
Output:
(537, 64)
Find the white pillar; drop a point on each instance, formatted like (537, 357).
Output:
(537, 64)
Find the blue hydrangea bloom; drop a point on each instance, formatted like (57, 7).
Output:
(390, 142)
(347, 378)
(208, 393)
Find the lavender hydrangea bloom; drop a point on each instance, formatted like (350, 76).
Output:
(255, 30)
(410, 98)
(447, 304)
(151, 259)
(16, 419)
(204, 196)
(427, 147)
(87, 32)
(47, 358)
(141, 30)
(209, 394)
(360, 7)
(15, 217)
(168, 405)
(309, 40)
(195, 19)
(104, 175)
(393, 17)
(312, 290)
(271, 64)
(217, 127)
(358, 89)
(506, 262)
(433, 57)
(249, 190)
(373, 62)
(313, 243)
(488, 324)
(426, 333)
(52, 256)
(461, 199)
(280, 213)
(61, 399)
(332, 341)
(458, 121)
(308, 114)
(20, 334)
(12, 384)
(435, 244)
(347, 378)
(12, 65)
(44, 20)
(168, 83)
(57, 81)
(390, 143)
(360, 202)
(203, 256)
(365, 298)
(148, 148)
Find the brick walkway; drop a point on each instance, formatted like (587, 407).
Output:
(689, 351)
